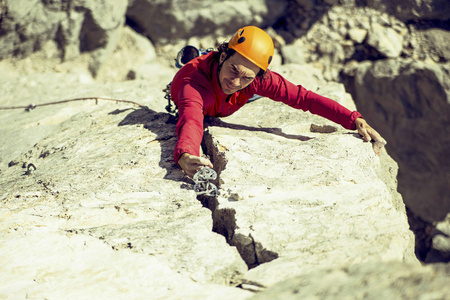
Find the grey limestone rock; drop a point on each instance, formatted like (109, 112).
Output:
(389, 280)
(167, 21)
(409, 103)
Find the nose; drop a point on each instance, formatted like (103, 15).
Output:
(236, 81)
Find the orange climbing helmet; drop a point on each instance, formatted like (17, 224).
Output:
(254, 44)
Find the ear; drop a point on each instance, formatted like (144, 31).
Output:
(222, 57)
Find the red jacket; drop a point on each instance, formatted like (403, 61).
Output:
(196, 91)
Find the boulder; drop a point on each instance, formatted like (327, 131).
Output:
(440, 242)
(78, 26)
(296, 196)
(431, 43)
(386, 41)
(408, 10)
(25, 26)
(388, 280)
(165, 22)
(75, 26)
(92, 202)
(408, 102)
(358, 35)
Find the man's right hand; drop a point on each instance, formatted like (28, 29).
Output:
(191, 163)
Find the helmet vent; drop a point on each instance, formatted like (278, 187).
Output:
(242, 31)
(241, 40)
(270, 59)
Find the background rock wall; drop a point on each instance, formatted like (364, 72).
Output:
(393, 58)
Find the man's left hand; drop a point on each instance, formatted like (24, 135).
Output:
(370, 135)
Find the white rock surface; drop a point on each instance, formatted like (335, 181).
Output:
(357, 34)
(386, 40)
(293, 201)
(106, 213)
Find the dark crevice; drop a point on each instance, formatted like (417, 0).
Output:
(422, 231)
(92, 36)
(135, 26)
(224, 219)
(429, 24)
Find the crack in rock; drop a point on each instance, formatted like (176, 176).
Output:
(224, 219)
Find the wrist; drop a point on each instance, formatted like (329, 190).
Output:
(183, 157)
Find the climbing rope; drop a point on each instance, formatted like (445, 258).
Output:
(33, 106)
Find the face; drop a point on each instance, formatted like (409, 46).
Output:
(237, 72)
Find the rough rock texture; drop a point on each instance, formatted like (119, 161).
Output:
(167, 21)
(411, 101)
(94, 26)
(93, 206)
(291, 201)
(344, 38)
(440, 239)
(77, 26)
(407, 10)
(103, 197)
(367, 281)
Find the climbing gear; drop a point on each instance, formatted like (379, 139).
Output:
(205, 173)
(171, 109)
(203, 186)
(254, 44)
(188, 53)
(185, 55)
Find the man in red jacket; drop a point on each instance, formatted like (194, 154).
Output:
(219, 83)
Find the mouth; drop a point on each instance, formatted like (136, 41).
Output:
(229, 87)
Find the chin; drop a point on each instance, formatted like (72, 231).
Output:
(228, 92)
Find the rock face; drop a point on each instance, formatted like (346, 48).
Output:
(412, 103)
(407, 10)
(93, 189)
(392, 281)
(401, 86)
(273, 189)
(92, 26)
(77, 26)
(92, 204)
(167, 21)
(105, 198)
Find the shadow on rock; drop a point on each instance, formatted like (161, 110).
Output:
(277, 131)
(163, 126)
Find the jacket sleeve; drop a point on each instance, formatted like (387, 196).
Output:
(280, 89)
(189, 127)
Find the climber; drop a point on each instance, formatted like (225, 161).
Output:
(219, 83)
